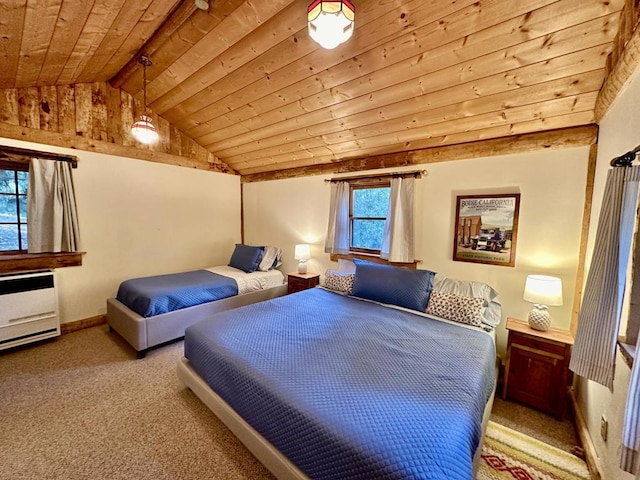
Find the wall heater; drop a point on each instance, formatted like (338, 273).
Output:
(28, 308)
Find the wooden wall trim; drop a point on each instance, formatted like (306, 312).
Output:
(96, 117)
(24, 262)
(71, 327)
(592, 460)
(551, 139)
(584, 237)
(623, 60)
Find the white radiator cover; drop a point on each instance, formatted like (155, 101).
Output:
(28, 308)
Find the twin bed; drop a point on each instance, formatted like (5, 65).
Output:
(151, 311)
(339, 385)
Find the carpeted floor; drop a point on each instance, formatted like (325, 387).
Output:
(82, 407)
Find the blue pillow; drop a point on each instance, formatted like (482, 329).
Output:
(246, 258)
(400, 286)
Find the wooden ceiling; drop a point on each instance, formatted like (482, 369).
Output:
(246, 82)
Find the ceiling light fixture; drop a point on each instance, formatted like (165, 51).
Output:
(202, 4)
(143, 130)
(331, 23)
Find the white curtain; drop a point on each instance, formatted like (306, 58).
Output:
(337, 240)
(398, 238)
(52, 219)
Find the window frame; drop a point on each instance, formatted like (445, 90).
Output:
(364, 184)
(15, 167)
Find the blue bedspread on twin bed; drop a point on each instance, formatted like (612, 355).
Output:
(348, 389)
(150, 296)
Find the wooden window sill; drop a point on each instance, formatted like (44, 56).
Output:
(372, 258)
(23, 262)
(627, 350)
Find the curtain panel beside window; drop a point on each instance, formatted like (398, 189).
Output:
(52, 214)
(398, 239)
(337, 240)
(594, 350)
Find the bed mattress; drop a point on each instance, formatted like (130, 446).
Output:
(155, 295)
(351, 389)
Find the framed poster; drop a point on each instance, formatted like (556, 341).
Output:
(486, 229)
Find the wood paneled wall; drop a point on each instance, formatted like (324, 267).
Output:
(96, 117)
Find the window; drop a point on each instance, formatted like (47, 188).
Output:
(14, 180)
(368, 208)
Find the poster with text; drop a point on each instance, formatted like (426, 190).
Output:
(486, 229)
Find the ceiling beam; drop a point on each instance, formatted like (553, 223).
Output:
(552, 139)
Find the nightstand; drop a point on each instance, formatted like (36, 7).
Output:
(537, 366)
(301, 281)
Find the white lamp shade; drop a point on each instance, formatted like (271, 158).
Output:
(330, 22)
(543, 290)
(302, 252)
(144, 131)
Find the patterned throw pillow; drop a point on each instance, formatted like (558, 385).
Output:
(339, 281)
(456, 308)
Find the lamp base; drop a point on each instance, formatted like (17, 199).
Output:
(539, 318)
(302, 267)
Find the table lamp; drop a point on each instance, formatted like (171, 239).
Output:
(543, 291)
(302, 253)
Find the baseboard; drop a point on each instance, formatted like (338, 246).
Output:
(82, 324)
(585, 438)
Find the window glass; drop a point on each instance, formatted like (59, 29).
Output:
(7, 181)
(369, 207)
(367, 234)
(9, 237)
(8, 211)
(23, 182)
(13, 210)
(371, 202)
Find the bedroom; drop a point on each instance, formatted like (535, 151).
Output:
(144, 218)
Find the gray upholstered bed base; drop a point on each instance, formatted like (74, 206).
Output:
(265, 452)
(145, 333)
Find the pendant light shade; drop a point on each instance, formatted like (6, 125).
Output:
(143, 130)
(331, 23)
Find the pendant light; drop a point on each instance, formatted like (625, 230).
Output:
(331, 23)
(143, 130)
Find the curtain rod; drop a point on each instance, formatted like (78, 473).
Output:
(625, 159)
(39, 154)
(415, 174)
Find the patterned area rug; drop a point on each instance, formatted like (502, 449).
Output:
(510, 455)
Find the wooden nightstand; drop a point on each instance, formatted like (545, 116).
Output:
(301, 281)
(537, 366)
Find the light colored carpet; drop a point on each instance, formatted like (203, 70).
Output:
(82, 407)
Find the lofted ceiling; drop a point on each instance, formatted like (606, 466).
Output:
(247, 83)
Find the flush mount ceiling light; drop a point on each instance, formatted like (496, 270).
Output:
(143, 130)
(202, 4)
(331, 23)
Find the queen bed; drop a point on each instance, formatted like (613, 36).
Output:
(151, 311)
(324, 385)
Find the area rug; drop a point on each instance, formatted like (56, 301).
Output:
(510, 455)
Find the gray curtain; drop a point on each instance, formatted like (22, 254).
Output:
(398, 238)
(52, 218)
(337, 239)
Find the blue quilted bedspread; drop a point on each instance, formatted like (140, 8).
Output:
(348, 389)
(150, 296)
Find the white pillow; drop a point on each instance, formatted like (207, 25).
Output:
(270, 259)
(464, 288)
(346, 266)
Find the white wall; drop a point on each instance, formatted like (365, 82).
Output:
(552, 187)
(141, 218)
(619, 133)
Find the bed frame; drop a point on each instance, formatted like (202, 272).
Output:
(144, 334)
(279, 465)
